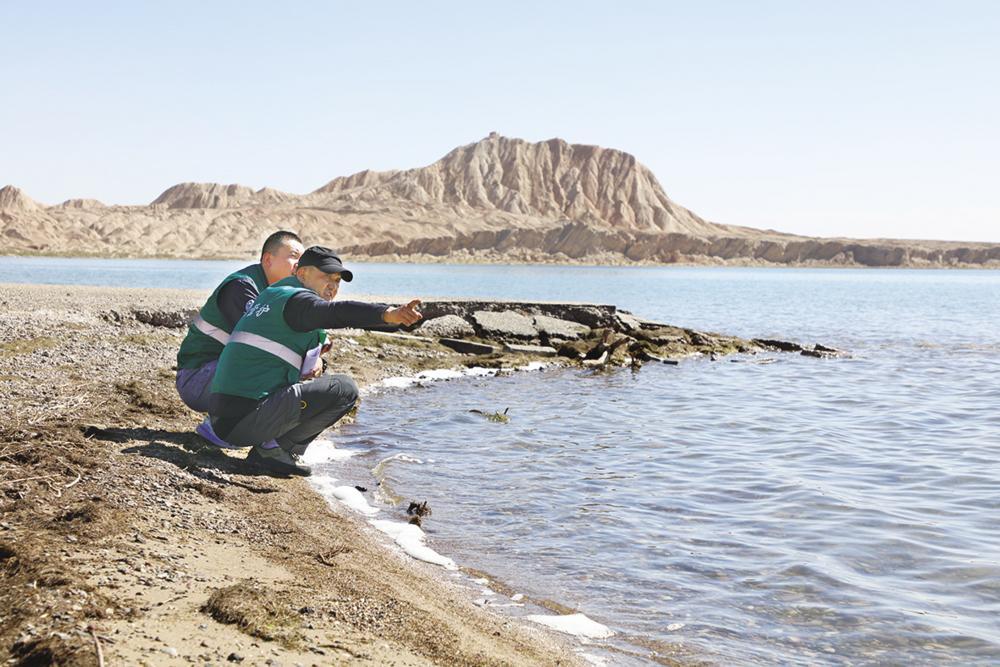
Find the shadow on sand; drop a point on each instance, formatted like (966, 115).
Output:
(187, 451)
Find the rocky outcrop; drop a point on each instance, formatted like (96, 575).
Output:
(214, 195)
(590, 334)
(577, 241)
(81, 204)
(13, 200)
(498, 199)
(550, 179)
(204, 195)
(360, 180)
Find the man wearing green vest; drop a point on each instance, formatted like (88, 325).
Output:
(209, 331)
(264, 391)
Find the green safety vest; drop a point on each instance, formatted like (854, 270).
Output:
(209, 332)
(264, 354)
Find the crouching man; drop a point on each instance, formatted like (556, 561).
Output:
(210, 330)
(262, 391)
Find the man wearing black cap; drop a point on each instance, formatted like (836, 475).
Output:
(269, 385)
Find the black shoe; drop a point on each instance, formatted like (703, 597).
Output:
(277, 460)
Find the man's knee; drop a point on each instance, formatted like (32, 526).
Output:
(345, 388)
(193, 385)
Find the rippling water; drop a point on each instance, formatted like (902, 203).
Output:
(803, 511)
(797, 512)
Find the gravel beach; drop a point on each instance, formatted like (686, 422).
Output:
(123, 535)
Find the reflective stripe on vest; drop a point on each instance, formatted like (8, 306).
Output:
(210, 330)
(284, 353)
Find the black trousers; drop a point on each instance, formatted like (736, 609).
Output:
(297, 414)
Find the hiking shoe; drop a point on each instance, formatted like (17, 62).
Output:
(206, 431)
(277, 460)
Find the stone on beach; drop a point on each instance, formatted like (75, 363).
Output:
(447, 326)
(170, 319)
(505, 324)
(468, 346)
(537, 350)
(554, 327)
(627, 322)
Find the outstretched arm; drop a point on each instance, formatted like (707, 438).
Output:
(307, 312)
(404, 315)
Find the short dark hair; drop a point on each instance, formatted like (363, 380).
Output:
(275, 240)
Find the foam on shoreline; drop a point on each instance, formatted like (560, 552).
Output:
(436, 375)
(577, 624)
(410, 538)
(443, 374)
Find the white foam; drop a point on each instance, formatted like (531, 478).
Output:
(354, 499)
(400, 456)
(411, 540)
(348, 495)
(324, 484)
(441, 374)
(321, 451)
(573, 624)
(533, 366)
(436, 375)
(398, 382)
(517, 597)
(480, 372)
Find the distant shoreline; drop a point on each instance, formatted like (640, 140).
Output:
(466, 260)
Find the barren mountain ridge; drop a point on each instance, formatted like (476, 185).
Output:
(498, 199)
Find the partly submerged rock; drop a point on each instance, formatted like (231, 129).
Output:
(772, 344)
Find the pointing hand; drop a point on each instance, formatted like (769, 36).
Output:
(405, 315)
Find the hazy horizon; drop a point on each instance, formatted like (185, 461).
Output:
(853, 121)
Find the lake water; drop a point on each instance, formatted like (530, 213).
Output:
(804, 511)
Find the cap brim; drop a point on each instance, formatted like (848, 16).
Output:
(345, 274)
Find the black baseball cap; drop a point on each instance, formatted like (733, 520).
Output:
(325, 260)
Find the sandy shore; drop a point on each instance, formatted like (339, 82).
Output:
(121, 534)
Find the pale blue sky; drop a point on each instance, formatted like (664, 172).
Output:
(851, 118)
